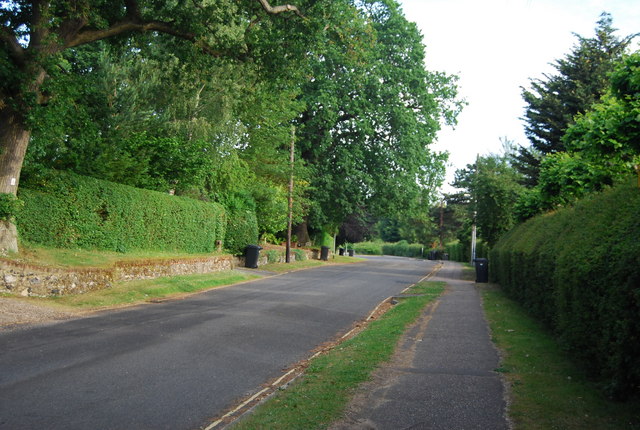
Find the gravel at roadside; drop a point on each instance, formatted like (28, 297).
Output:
(16, 312)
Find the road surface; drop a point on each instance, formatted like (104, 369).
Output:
(176, 365)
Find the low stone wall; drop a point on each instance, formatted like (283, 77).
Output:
(128, 271)
(38, 281)
(312, 254)
(29, 280)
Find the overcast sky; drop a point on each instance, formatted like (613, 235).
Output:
(495, 47)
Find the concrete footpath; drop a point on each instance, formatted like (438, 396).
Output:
(442, 375)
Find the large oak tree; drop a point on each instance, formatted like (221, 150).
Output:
(33, 34)
(372, 111)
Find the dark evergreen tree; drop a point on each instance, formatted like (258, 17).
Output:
(554, 101)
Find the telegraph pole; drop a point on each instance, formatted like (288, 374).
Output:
(475, 215)
(290, 221)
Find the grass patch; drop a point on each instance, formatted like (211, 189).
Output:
(548, 390)
(126, 293)
(61, 257)
(132, 292)
(321, 395)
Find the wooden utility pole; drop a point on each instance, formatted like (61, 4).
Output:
(475, 214)
(442, 223)
(290, 221)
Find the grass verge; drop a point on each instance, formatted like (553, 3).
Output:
(548, 391)
(132, 292)
(320, 396)
(60, 257)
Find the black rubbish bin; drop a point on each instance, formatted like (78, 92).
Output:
(252, 252)
(482, 270)
(351, 253)
(341, 251)
(324, 253)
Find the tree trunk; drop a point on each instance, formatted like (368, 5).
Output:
(302, 233)
(14, 139)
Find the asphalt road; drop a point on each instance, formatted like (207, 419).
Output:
(176, 365)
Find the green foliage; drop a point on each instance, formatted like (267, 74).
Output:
(324, 238)
(300, 254)
(68, 211)
(10, 205)
(242, 224)
(372, 109)
(553, 102)
(369, 248)
(492, 186)
(461, 251)
(578, 270)
(547, 389)
(403, 249)
(601, 146)
(273, 256)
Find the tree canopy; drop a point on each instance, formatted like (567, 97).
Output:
(199, 98)
(582, 124)
(492, 189)
(371, 113)
(554, 101)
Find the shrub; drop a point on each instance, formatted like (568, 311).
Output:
(578, 269)
(70, 211)
(461, 252)
(403, 249)
(369, 248)
(300, 254)
(242, 224)
(273, 256)
(10, 205)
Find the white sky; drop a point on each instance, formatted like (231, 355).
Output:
(495, 47)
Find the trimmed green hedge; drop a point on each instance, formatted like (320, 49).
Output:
(242, 224)
(66, 210)
(578, 270)
(403, 249)
(462, 251)
(369, 248)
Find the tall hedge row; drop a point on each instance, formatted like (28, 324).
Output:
(403, 249)
(462, 251)
(242, 230)
(578, 269)
(67, 210)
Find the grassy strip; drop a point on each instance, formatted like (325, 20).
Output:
(60, 257)
(126, 293)
(548, 390)
(320, 396)
(132, 292)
